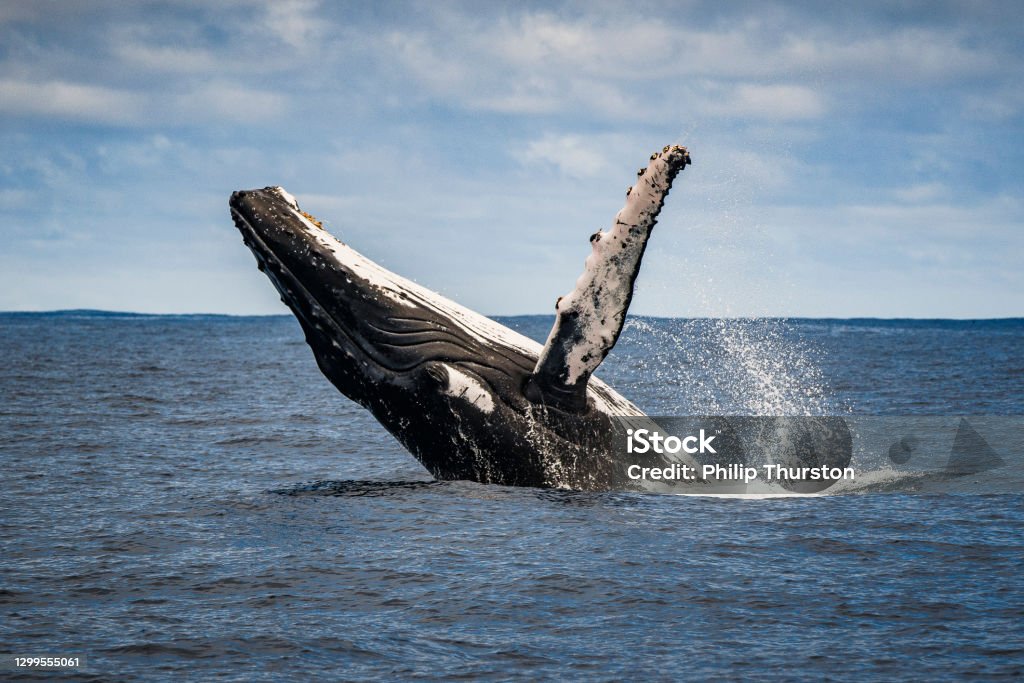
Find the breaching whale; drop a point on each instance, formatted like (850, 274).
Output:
(468, 397)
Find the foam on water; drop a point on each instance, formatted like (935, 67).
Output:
(874, 481)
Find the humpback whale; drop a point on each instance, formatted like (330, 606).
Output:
(468, 397)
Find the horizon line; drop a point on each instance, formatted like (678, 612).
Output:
(115, 313)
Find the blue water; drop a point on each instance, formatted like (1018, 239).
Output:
(187, 497)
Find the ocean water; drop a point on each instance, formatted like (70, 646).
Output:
(186, 497)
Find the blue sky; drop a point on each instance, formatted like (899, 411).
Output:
(864, 159)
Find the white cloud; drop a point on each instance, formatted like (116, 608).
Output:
(226, 101)
(574, 155)
(166, 58)
(78, 101)
(603, 64)
(921, 192)
(785, 105)
(995, 106)
(293, 22)
(14, 199)
(640, 68)
(771, 102)
(885, 57)
(95, 103)
(872, 235)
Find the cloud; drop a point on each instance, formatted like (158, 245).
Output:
(629, 67)
(167, 58)
(574, 155)
(771, 102)
(920, 193)
(246, 41)
(293, 22)
(227, 102)
(839, 132)
(100, 104)
(886, 235)
(14, 199)
(61, 99)
(604, 64)
(995, 106)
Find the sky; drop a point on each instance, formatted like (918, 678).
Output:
(849, 159)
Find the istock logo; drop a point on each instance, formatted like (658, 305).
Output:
(643, 441)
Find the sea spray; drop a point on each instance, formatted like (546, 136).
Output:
(725, 367)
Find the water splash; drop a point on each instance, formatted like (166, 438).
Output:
(725, 367)
(718, 261)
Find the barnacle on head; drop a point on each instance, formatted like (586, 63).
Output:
(312, 219)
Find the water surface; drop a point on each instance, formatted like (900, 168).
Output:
(189, 497)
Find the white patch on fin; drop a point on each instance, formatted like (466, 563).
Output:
(461, 385)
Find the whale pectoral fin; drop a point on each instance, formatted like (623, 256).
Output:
(590, 318)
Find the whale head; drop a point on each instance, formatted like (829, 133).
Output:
(446, 381)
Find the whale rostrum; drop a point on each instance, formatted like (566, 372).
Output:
(468, 397)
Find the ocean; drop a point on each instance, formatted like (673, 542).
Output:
(187, 497)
